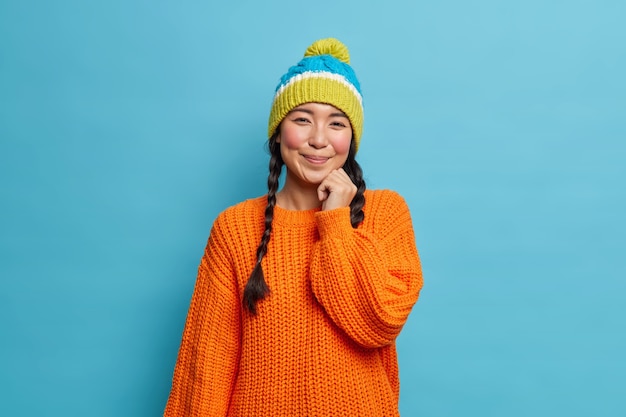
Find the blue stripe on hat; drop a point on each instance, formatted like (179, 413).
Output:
(321, 63)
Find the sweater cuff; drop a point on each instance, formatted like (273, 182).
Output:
(334, 223)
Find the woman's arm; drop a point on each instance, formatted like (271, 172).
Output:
(367, 279)
(208, 358)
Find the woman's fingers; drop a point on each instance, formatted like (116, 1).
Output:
(337, 190)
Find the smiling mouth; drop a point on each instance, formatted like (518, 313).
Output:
(316, 159)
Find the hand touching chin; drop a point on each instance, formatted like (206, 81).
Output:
(336, 190)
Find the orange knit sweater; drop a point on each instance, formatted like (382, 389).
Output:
(322, 343)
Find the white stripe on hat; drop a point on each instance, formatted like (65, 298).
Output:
(319, 74)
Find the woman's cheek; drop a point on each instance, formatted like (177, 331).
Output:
(292, 138)
(291, 142)
(342, 145)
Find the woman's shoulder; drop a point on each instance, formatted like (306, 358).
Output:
(384, 206)
(383, 198)
(385, 210)
(243, 210)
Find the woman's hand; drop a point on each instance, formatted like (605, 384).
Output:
(337, 190)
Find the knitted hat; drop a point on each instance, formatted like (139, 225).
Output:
(324, 75)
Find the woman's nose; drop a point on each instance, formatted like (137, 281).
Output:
(318, 138)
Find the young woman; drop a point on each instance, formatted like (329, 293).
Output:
(301, 293)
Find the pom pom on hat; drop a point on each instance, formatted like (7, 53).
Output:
(329, 46)
(324, 75)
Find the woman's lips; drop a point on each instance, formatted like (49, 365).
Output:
(317, 160)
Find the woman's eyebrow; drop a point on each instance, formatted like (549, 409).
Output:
(302, 110)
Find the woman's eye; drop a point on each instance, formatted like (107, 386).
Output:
(301, 120)
(338, 124)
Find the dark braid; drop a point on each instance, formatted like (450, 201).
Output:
(354, 171)
(256, 288)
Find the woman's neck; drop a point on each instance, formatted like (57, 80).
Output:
(297, 198)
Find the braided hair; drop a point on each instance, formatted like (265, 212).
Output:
(256, 287)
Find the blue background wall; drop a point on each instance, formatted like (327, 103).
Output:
(127, 126)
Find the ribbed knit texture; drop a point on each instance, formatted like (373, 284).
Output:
(323, 342)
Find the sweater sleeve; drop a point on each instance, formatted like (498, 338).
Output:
(367, 279)
(208, 357)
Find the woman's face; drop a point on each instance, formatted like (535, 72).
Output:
(314, 140)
